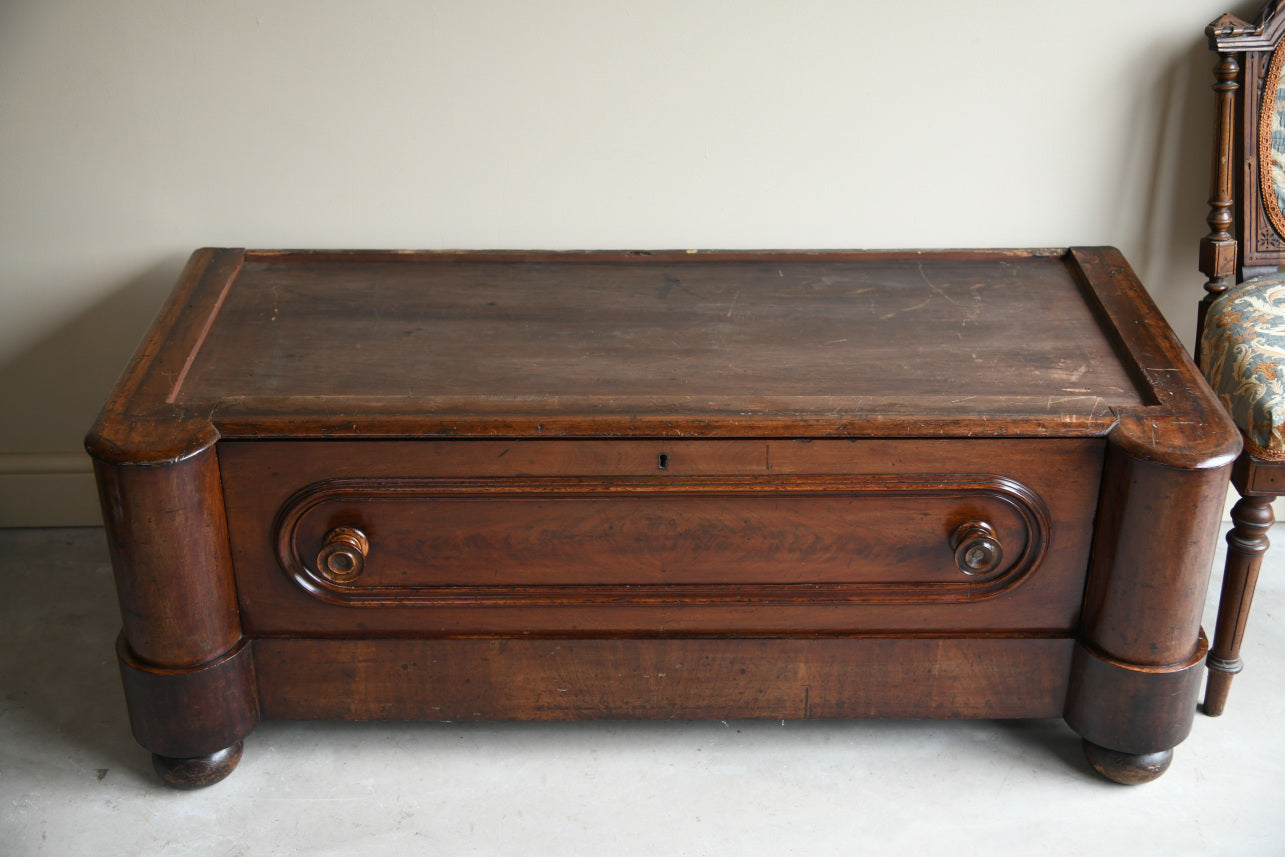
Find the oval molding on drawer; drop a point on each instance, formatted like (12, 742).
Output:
(545, 541)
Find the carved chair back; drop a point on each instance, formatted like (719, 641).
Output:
(1247, 194)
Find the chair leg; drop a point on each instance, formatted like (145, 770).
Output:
(1251, 518)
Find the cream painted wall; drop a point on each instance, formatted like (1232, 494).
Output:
(132, 132)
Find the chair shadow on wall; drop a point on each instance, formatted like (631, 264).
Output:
(1172, 165)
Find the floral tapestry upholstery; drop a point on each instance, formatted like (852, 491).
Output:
(1242, 353)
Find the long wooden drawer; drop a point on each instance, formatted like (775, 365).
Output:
(658, 537)
(426, 540)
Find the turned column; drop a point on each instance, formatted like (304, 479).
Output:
(1136, 672)
(1251, 517)
(187, 670)
(1218, 248)
(186, 667)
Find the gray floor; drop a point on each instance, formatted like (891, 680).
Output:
(73, 782)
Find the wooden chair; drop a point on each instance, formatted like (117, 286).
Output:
(1241, 346)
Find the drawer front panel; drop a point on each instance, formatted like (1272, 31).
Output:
(570, 538)
(567, 540)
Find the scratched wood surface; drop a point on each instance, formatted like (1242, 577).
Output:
(572, 334)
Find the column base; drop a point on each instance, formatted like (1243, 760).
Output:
(1135, 710)
(197, 712)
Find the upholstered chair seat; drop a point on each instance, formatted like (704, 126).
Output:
(1242, 353)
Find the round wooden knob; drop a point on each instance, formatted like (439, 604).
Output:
(977, 549)
(343, 554)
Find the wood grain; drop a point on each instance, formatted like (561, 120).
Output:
(824, 337)
(895, 556)
(658, 485)
(661, 679)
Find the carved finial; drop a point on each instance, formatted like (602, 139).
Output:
(1230, 33)
(1230, 27)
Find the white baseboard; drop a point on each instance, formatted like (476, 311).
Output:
(48, 490)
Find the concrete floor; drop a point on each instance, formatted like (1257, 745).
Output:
(72, 781)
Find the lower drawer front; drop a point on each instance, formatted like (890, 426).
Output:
(722, 536)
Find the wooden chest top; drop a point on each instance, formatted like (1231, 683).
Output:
(745, 344)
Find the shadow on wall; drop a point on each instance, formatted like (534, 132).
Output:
(1174, 166)
(1170, 168)
(61, 382)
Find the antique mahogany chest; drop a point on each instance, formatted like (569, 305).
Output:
(455, 485)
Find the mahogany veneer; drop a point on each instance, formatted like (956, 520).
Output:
(638, 485)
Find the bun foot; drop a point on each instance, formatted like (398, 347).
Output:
(197, 772)
(1130, 769)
